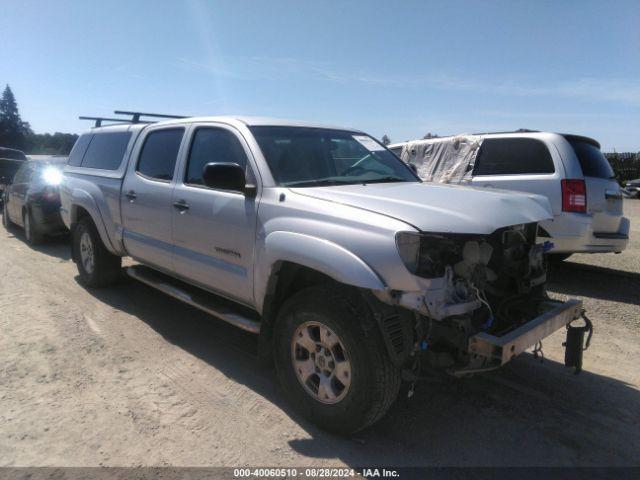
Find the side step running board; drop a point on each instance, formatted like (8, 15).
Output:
(195, 297)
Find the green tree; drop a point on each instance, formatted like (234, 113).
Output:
(13, 131)
(47, 144)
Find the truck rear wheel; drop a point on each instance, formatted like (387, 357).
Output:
(96, 265)
(332, 361)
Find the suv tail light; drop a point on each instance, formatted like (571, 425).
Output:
(574, 196)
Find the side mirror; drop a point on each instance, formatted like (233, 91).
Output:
(227, 176)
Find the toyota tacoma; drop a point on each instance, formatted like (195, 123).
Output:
(355, 275)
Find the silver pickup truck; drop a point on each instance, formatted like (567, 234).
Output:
(354, 274)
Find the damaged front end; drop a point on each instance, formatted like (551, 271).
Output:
(482, 298)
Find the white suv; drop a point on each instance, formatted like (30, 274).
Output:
(569, 170)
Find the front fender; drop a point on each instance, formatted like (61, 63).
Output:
(318, 254)
(321, 255)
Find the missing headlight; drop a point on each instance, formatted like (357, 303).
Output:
(408, 244)
(428, 255)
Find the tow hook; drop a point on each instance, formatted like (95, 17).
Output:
(575, 344)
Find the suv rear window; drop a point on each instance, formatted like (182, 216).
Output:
(513, 156)
(106, 150)
(592, 161)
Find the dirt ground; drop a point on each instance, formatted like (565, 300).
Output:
(127, 376)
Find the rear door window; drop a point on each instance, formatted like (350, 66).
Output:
(106, 150)
(159, 153)
(79, 149)
(592, 160)
(513, 156)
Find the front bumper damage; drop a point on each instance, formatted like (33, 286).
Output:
(495, 351)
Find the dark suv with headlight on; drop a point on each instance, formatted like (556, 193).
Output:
(32, 201)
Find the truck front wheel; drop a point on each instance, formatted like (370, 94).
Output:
(332, 361)
(5, 216)
(30, 229)
(96, 265)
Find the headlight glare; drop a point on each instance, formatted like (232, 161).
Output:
(52, 176)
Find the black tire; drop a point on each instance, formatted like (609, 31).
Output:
(374, 382)
(31, 233)
(6, 221)
(106, 267)
(558, 257)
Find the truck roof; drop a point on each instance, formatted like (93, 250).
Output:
(257, 121)
(228, 119)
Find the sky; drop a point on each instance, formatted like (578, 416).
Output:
(401, 68)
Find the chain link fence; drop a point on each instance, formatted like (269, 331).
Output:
(626, 166)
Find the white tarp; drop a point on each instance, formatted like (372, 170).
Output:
(443, 160)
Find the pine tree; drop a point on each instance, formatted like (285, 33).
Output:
(13, 131)
(385, 139)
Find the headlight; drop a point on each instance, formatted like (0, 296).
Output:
(428, 254)
(52, 176)
(408, 244)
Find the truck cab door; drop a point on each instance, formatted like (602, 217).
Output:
(146, 197)
(214, 230)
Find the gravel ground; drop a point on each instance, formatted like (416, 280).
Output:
(127, 376)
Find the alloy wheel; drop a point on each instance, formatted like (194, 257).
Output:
(321, 362)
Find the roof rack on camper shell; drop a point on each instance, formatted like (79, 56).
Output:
(135, 117)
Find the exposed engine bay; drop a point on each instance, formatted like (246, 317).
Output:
(472, 284)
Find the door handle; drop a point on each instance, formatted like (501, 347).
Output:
(181, 205)
(131, 195)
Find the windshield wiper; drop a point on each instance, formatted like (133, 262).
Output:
(320, 182)
(388, 179)
(317, 183)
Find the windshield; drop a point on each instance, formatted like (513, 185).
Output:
(306, 157)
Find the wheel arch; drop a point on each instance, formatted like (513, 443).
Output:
(317, 254)
(84, 206)
(287, 254)
(296, 261)
(286, 278)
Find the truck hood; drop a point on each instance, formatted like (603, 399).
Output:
(440, 208)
